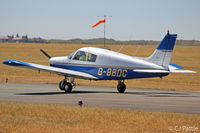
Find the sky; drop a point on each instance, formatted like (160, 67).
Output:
(131, 19)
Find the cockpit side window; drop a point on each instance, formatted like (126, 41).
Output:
(91, 57)
(80, 55)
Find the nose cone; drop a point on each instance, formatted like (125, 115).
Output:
(54, 60)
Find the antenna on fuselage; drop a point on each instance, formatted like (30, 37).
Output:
(120, 48)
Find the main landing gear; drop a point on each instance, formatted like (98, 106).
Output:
(66, 86)
(121, 87)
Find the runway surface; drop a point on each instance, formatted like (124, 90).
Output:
(134, 99)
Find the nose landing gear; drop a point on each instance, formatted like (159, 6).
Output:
(121, 87)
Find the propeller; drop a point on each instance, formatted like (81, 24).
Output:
(45, 53)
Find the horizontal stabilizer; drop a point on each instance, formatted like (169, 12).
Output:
(182, 71)
(162, 71)
(174, 66)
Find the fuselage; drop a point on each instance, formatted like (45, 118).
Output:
(106, 64)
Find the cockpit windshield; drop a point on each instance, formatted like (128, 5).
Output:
(84, 56)
(71, 55)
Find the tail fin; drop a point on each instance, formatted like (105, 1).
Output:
(162, 55)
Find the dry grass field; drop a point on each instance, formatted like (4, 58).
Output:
(187, 56)
(33, 118)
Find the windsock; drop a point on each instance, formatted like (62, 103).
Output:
(99, 22)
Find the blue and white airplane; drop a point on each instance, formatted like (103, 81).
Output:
(102, 64)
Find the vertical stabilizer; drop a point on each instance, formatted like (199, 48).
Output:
(162, 55)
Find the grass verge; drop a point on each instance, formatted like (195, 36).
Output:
(36, 118)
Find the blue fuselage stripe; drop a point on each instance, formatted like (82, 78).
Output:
(109, 73)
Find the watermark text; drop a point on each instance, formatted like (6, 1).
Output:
(183, 128)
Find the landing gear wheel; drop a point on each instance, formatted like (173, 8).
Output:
(61, 85)
(67, 87)
(121, 87)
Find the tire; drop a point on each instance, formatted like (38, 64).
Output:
(61, 85)
(121, 87)
(67, 87)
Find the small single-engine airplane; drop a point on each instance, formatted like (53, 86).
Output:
(102, 64)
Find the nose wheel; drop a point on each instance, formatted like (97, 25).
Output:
(121, 87)
(65, 86)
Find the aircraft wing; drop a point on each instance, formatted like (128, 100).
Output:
(60, 71)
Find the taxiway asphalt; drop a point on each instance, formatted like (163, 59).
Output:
(106, 97)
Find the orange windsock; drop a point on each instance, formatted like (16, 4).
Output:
(99, 22)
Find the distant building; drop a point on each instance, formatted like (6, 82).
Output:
(5, 38)
(18, 38)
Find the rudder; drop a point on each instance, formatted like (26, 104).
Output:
(162, 55)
